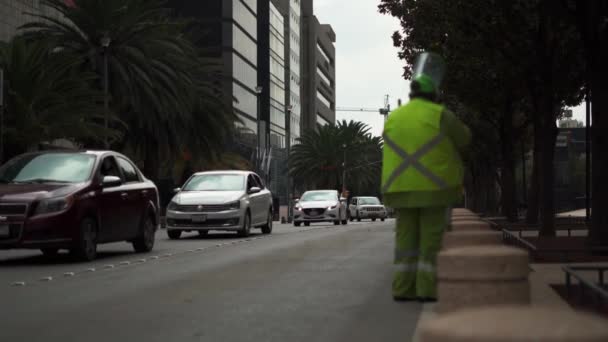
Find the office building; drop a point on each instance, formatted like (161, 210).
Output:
(319, 70)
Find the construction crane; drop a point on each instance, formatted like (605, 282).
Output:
(382, 111)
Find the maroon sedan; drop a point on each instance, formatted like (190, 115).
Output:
(76, 200)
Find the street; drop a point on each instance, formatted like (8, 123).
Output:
(318, 283)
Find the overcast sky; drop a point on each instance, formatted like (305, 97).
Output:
(367, 65)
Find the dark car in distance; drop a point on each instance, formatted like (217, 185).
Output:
(76, 200)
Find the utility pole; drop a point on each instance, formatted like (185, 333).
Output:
(588, 156)
(105, 44)
(344, 170)
(288, 143)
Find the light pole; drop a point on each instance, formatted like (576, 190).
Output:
(105, 44)
(288, 146)
(1, 115)
(344, 170)
(258, 91)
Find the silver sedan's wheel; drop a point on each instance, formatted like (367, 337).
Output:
(246, 230)
(267, 228)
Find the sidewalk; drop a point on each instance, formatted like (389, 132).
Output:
(542, 276)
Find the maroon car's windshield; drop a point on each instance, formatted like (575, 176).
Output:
(48, 167)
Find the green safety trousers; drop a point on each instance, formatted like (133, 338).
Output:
(419, 233)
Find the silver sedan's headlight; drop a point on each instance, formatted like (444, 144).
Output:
(234, 205)
(172, 206)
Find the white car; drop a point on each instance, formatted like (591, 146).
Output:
(320, 206)
(220, 200)
(367, 208)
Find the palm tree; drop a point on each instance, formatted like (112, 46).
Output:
(161, 88)
(317, 160)
(46, 97)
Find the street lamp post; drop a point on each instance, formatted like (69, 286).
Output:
(344, 170)
(105, 44)
(288, 146)
(258, 91)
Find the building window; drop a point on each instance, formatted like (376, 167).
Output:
(245, 100)
(277, 93)
(277, 116)
(244, 45)
(245, 17)
(253, 5)
(322, 121)
(244, 72)
(324, 99)
(323, 76)
(323, 54)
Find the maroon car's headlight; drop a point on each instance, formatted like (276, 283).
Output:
(53, 205)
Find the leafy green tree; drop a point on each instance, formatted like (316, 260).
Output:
(504, 58)
(46, 97)
(159, 85)
(317, 160)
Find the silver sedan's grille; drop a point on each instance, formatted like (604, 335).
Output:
(373, 209)
(203, 208)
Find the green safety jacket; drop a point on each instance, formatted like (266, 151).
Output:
(422, 165)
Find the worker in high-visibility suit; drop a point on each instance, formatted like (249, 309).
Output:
(422, 176)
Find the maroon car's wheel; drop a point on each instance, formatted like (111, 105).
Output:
(145, 242)
(86, 246)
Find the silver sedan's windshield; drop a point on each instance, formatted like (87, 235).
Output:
(319, 196)
(369, 201)
(216, 182)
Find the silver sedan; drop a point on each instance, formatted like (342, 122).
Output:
(220, 200)
(320, 206)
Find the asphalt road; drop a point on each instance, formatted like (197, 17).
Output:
(318, 283)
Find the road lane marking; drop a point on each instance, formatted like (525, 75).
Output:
(18, 283)
(108, 266)
(90, 270)
(125, 263)
(46, 279)
(69, 274)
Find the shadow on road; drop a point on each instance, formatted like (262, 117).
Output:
(210, 236)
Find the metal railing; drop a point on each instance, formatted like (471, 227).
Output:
(598, 290)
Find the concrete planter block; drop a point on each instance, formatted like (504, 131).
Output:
(455, 239)
(461, 211)
(515, 324)
(465, 218)
(470, 225)
(482, 275)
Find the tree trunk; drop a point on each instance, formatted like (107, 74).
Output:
(507, 180)
(547, 174)
(534, 188)
(598, 234)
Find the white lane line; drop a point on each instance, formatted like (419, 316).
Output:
(108, 266)
(46, 279)
(90, 270)
(69, 274)
(124, 263)
(154, 257)
(141, 260)
(166, 255)
(18, 283)
(200, 249)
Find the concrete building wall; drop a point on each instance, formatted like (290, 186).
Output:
(319, 70)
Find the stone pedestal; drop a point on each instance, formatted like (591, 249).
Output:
(459, 211)
(515, 324)
(461, 225)
(455, 239)
(480, 276)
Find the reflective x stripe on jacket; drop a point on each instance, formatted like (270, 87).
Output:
(413, 161)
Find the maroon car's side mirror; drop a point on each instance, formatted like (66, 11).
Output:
(111, 181)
